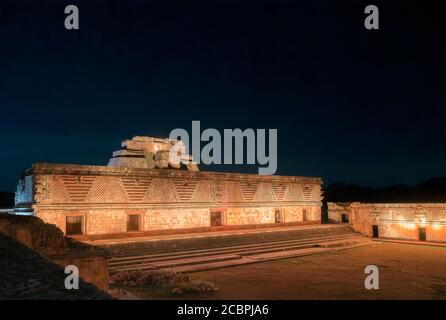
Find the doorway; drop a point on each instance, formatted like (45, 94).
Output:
(133, 222)
(216, 219)
(375, 231)
(422, 234)
(304, 215)
(344, 218)
(73, 225)
(277, 217)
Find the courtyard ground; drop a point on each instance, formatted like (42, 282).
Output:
(406, 272)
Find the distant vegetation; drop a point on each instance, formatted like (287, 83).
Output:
(6, 199)
(432, 190)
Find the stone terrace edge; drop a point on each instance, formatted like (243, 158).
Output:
(75, 169)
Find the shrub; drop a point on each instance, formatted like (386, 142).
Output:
(177, 283)
(194, 286)
(153, 277)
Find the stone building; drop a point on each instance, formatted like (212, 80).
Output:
(141, 191)
(411, 221)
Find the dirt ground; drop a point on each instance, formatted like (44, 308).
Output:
(406, 272)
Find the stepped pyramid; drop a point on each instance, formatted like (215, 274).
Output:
(151, 153)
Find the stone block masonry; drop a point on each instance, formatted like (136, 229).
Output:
(99, 200)
(406, 221)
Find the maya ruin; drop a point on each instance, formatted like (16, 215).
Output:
(222, 159)
(141, 191)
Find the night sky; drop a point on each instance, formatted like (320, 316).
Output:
(351, 105)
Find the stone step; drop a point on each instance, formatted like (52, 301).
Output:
(218, 240)
(202, 259)
(343, 242)
(256, 252)
(297, 247)
(413, 242)
(176, 263)
(261, 258)
(232, 249)
(235, 247)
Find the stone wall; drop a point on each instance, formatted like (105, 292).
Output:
(93, 269)
(24, 195)
(165, 199)
(43, 237)
(399, 221)
(336, 210)
(49, 241)
(103, 221)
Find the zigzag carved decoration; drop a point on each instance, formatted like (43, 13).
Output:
(78, 187)
(136, 187)
(280, 190)
(184, 189)
(249, 190)
(306, 192)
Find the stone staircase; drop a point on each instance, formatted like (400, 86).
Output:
(206, 254)
(221, 239)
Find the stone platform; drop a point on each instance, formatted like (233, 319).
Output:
(214, 251)
(215, 239)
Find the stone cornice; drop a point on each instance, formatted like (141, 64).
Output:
(143, 206)
(413, 205)
(71, 169)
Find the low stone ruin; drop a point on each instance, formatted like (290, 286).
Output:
(31, 231)
(49, 241)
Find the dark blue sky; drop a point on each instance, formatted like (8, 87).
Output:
(350, 105)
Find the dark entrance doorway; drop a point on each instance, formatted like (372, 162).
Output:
(216, 219)
(277, 216)
(344, 218)
(422, 234)
(133, 222)
(375, 231)
(74, 225)
(304, 215)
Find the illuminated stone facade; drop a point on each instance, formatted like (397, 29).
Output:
(412, 221)
(113, 200)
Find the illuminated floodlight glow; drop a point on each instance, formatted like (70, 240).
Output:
(436, 226)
